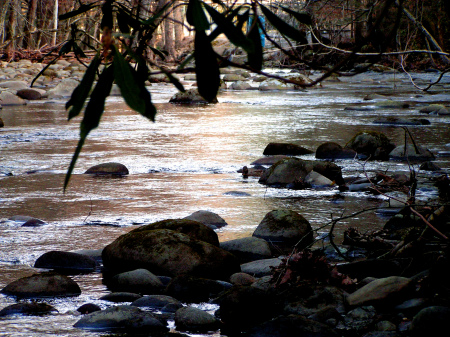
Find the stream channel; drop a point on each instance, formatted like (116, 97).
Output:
(184, 162)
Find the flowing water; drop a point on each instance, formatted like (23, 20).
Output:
(186, 161)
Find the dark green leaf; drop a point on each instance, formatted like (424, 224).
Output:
(66, 47)
(96, 104)
(132, 87)
(92, 114)
(255, 58)
(304, 18)
(206, 67)
(234, 34)
(107, 15)
(283, 27)
(195, 15)
(81, 92)
(159, 53)
(78, 51)
(80, 10)
(122, 22)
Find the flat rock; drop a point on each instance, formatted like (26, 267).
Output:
(248, 249)
(383, 291)
(33, 308)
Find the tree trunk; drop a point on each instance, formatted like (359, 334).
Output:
(30, 24)
(55, 23)
(179, 31)
(169, 44)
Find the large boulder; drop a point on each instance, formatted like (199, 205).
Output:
(66, 262)
(121, 317)
(42, 285)
(411, 153)
(430, 321)
(108, 168)
(286, 149)
(208, 218)
(194, 229)
(291, 172)
(371, 144)
(284, 229)
(166, 252)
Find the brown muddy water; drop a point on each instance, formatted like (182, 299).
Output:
(186, 161)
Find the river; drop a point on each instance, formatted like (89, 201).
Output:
(186, 161)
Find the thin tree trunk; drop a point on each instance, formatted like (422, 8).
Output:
(169, 44)
(30, 24)
(55, 23)
(178, 16)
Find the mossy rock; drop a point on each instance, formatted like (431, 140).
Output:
(169, 253)
(292, 172)
(372, 144)
(284, 228)
(192, 228)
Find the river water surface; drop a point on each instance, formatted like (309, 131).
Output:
(184, 162)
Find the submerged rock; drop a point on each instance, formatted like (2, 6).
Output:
(208, 218)
(108, 168)
(164, 303)
(190, 96)
(401, 121)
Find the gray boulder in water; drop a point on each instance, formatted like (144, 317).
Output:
(284, 229)
(122, 317)
(42, 285)
(411, 153)
(291, 173)
(169, 253)
(208, 218)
